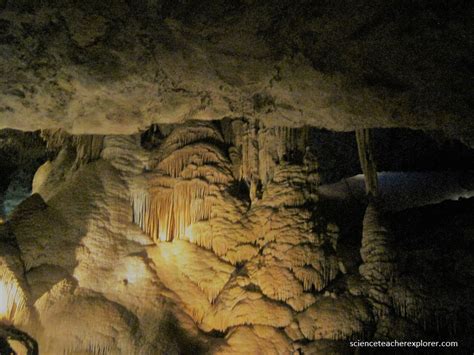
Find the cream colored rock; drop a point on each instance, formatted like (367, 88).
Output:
(255, 340)
(335, 318)
(161, 249)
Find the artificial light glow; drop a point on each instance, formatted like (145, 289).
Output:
(12, 300)
(135, 271)
(165, 213)
(163, 236)
(188, 233)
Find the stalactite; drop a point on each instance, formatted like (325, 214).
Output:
(200, 233)
(367, 161)
(55, 138)
(166, 213)
(310, 277)
(250, 157)
(91, 348)
(274, 146)
(316, 271)
(140, 204)
(212, 174)
(190, 133)
(88, 149)
(276, 282)
(190, 204)
(188, 172)
(184, 135)
(198, 154)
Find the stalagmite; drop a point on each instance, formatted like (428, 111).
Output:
(104, 326)
(379, 259)
(185, 178)
(187, 239)
(377, 250)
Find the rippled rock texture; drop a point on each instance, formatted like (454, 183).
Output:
(210, 237)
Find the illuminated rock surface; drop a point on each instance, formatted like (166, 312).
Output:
(180, 240)
(93, 68)
(194, 184)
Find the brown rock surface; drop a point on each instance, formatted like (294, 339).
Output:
(93, 68)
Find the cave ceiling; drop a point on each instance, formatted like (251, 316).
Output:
(116, 67)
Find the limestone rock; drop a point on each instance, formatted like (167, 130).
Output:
(339, 318)
(89, 68)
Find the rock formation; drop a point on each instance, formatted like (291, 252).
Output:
(199, 237)
(90, 68)
(183, 177)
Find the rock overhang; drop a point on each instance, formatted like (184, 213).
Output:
(89, 68)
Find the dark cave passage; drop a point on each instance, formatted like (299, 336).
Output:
(403, 190)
